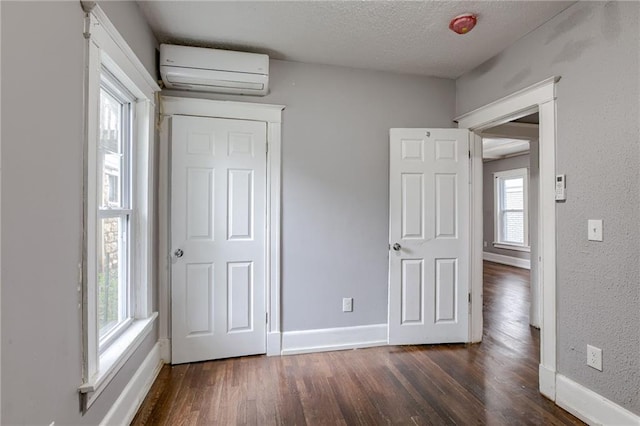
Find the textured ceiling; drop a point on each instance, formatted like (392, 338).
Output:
(397, 36)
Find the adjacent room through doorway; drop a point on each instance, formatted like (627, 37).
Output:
(510, 202)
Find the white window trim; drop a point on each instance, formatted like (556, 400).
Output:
(106, 47)
(497, 242)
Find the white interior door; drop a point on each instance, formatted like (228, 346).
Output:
(218, 189)
(429, 236)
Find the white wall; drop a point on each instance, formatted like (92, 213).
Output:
(594, 47)
(335, 159)
(42, 173)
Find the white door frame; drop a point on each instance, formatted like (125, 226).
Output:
(272, 116)
(542, 97)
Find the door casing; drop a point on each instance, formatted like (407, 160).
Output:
(272, 116)
(541, 97)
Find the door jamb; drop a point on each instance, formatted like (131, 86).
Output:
(540, 96)
(272, 116)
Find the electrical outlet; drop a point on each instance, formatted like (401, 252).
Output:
(485, 243)
(594, 357)
(347, 304)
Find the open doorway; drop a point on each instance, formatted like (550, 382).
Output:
(540, 97)
(510, 195)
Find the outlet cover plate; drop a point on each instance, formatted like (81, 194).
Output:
(594, 357)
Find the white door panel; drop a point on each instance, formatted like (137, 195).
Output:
(218, 189)
(429, 222)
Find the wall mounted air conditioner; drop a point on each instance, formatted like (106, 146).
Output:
(214, 70)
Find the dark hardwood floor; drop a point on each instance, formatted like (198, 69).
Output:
(495, 382)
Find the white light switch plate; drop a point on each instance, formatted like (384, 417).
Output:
(347, 304)
(595, 229)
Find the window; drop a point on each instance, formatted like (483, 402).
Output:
(114, 209)
(117, 309)
(511, 216)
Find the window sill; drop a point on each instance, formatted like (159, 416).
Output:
(116, 355)
(512, 247)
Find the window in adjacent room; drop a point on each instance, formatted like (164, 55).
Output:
(511, 216)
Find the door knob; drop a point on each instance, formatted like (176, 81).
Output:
(178, 253)
(397, 247)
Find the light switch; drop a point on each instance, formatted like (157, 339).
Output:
(595, 229)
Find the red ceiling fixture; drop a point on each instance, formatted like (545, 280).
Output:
(464, 23)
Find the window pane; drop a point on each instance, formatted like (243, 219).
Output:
(513, 227)
(513, 194)
(112, 299)
(110, 151)
(113, 189)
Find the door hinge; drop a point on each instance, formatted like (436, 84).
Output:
(469, 153)
(469, 297)
(267, 147)
(266, 318)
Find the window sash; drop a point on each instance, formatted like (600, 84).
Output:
(504, 231)
(126, 295)
(111, 85)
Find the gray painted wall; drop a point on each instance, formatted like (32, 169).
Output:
(488, 197)
(42, 173)
(594, 47)
(335, 187)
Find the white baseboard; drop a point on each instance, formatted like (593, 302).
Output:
(507, 260)
(547, 382)
(333, 339)
(124, 409)
(589, 406)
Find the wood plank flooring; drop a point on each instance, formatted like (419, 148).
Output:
(495, 382)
